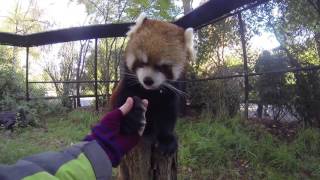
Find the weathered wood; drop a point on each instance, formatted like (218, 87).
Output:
(144, 162)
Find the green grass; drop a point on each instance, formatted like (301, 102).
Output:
(60, 132)
(232, 149)
(209, 148)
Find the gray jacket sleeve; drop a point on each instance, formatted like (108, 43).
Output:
(83, 160)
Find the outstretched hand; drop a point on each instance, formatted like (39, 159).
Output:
(135, 109)
(107, 131)
(127, 106)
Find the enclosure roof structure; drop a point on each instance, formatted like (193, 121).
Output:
(209, 12)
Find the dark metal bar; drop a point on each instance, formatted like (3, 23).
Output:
(250, 6)
(240, 74)
(253, 74)
(65, 35)
(256, 74)
(205, 14)
(305, 69)
(57, 97)
(245, 64)
(27, 74)
(11, 39)
(211, 10)
(66, 82)
(96, 73)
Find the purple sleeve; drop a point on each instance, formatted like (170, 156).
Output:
(107, 134)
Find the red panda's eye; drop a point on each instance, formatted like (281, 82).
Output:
(166, 66)
(138, 64)
(165, 69)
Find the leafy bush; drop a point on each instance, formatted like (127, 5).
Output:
(217, 97)
(12, 95)
(307, 101)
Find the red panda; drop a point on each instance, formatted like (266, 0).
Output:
(155, 57)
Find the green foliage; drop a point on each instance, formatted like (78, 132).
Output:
(218, 97)
(307, 142)
(6, 56)
(12, 95)
(298, 35)
(10, 82)
(160, 9)
(272, 89)
(307, 100)
(212, 42)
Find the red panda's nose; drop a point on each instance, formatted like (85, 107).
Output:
(148, 81)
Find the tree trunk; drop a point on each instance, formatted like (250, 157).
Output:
(187, 6)
(317, 39)
(144, 162)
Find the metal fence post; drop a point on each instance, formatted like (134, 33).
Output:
(245, 64)
(96, 73)
(27, 74)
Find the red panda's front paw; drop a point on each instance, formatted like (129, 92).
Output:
(167, 145)
(135, 119)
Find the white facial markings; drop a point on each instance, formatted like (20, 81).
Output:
(157, 77)
(130, 60)
(176, 70)
(144, 58)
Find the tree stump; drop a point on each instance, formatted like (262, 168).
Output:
(145, 162)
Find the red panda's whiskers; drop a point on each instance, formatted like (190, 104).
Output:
(130, 75)
(175, 90)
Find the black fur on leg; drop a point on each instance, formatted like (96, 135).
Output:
(161, 113)
(135, 119)
(167, 145)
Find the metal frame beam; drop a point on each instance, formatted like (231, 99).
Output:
(203, 15)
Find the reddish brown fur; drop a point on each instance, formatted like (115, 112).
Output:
(114, 96)
(159, 41)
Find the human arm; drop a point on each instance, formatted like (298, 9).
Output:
(90, 159)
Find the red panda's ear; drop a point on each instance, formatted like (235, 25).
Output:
(189, 38)
(139, 22)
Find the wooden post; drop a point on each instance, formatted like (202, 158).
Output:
(245, 64)
(96, 74)
(27, 74)
(144, 162)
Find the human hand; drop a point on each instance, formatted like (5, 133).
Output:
(134, 111)
(107, 133)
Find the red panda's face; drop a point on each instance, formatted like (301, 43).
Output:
(157, 52)
(153, 73)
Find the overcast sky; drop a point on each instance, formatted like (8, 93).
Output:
(62, 12)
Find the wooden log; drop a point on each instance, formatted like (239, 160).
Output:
(145, 162)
